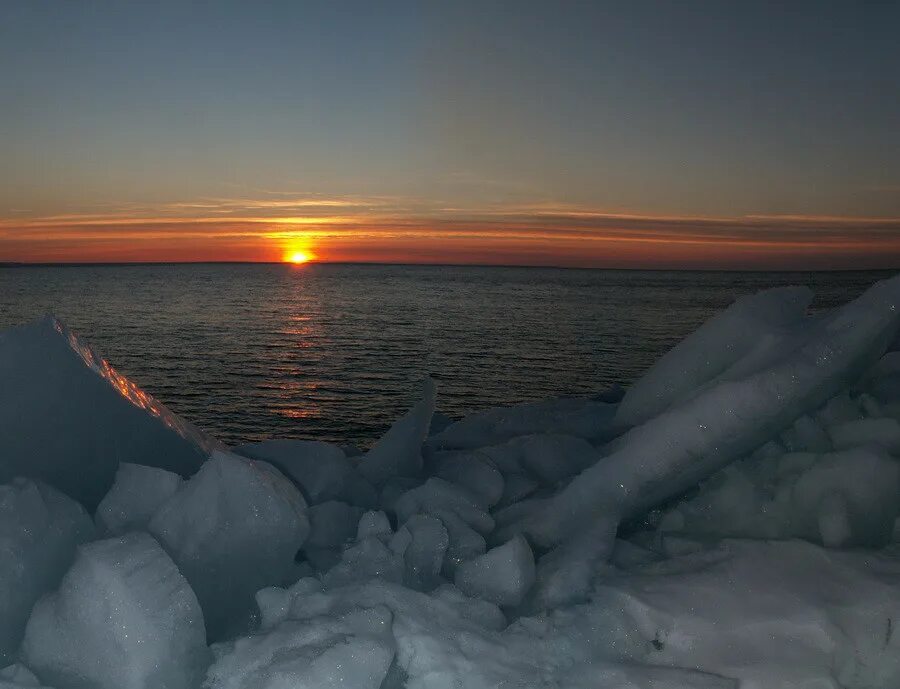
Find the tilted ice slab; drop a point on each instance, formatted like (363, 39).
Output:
(399, 451)
(753, 324)
(672, 452)
(68, 418)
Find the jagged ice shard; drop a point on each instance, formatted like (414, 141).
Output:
(68, 418)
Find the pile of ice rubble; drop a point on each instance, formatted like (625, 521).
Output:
(729, 522)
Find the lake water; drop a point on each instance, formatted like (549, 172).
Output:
(336, 352)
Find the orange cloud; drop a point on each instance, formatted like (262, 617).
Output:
(394, 230)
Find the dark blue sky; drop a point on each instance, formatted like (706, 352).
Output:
(672, 108)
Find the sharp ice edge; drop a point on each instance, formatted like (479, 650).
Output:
(131, 392)
(731, 522)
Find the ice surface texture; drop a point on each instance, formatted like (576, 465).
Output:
(123, 618)
(732, 523)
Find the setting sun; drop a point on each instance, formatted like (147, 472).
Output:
(298, 257)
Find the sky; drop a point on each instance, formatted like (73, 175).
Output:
(645, 134)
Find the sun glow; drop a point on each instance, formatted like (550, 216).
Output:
(298, 257)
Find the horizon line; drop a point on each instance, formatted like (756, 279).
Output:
(112, 264)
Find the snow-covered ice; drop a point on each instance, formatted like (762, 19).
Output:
(771, 614)
(732, 522)
(352, 650)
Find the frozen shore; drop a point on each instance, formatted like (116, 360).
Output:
(729, 522)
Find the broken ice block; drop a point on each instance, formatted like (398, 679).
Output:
(123, 618)
(232, 529)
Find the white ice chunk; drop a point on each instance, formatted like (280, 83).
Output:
(332, 524)
(473, 473)
(752, 322)
(437, 494)
(448, 640)
(352, 651)
(138, 491)
(123, 618)
(399, 451)
(678, 448)
(373, 523)
(424, 554)
(566, 574)
(482, 612)
(465, 542)
(502, 575)
(549, 458)
(368, 558)
(321, 470)
(39, 530)
(847, 498)
(233, 529)
(275, 603)
(67, 417)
